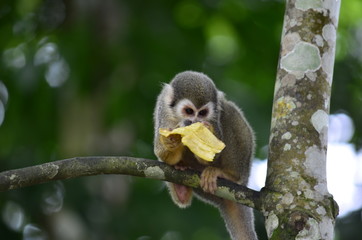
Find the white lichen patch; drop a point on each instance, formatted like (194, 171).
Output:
(304, 57)
(321, 210)
(287, 136)
(271, 223)
(225, 193)
(50, 169)
(288, 199)
(318, 39)
(325, 227)
(315, 163)
(308, 194)
(289, 41)
(321, 190)
(294, 174)
(13, 176)
(154, 172)
(295, 123)
(309, 4)
(327, 64)
(287, 147)
(310, 231)
(293, 22)
(319, 120)
(311, 76)
(331, 7)
(326, 100)
(329, 34)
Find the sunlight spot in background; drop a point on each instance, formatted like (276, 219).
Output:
(189, 14)
(58, 69)
(222, 42)
(2, 112)
(344, 170)
(57, 73)
(344, 166)
(171, 235)
(32, 232)
(4, 96)
(46, 53)
(13, 216)
(53, 199)
(14, 57)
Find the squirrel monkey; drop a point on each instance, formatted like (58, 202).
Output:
(192, 97)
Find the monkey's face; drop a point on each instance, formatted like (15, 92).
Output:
(188, 113)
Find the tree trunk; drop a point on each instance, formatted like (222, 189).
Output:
(297, 204)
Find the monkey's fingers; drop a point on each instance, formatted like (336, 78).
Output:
(171, 142)
(208, 181)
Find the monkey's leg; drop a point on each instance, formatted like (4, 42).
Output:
(181, 195)
(239, 219)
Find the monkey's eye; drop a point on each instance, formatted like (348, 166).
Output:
(189, 111)
(203, 113)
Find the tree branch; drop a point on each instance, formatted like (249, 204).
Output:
(88, 166)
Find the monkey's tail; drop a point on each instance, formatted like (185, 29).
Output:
(239, 219)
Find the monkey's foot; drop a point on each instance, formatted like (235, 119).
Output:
(182, 168)
(208, 181)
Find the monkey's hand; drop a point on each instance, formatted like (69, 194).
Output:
(169, 149)
(209, 175)
(172, 142)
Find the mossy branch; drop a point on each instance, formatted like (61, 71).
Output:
(88, 166)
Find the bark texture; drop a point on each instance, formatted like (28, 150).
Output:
(297, 204)
(88, 166)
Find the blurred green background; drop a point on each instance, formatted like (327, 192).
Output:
(81, 78)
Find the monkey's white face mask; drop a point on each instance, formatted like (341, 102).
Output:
(188, 113)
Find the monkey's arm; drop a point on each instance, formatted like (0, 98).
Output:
(169, 149)
(234, 161)
(239, 139)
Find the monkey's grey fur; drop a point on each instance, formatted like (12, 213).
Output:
(196, 91)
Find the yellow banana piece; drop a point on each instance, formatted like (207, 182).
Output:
(199, 139)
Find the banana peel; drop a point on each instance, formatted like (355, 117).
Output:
(199, 139)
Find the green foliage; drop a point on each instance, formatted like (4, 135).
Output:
(82, 79)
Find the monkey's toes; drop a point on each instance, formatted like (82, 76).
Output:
(182, 168)
(208, 181)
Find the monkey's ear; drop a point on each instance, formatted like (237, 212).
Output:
(168, 95)
(220, 97)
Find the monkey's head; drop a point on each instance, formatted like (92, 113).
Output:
(193, 97)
